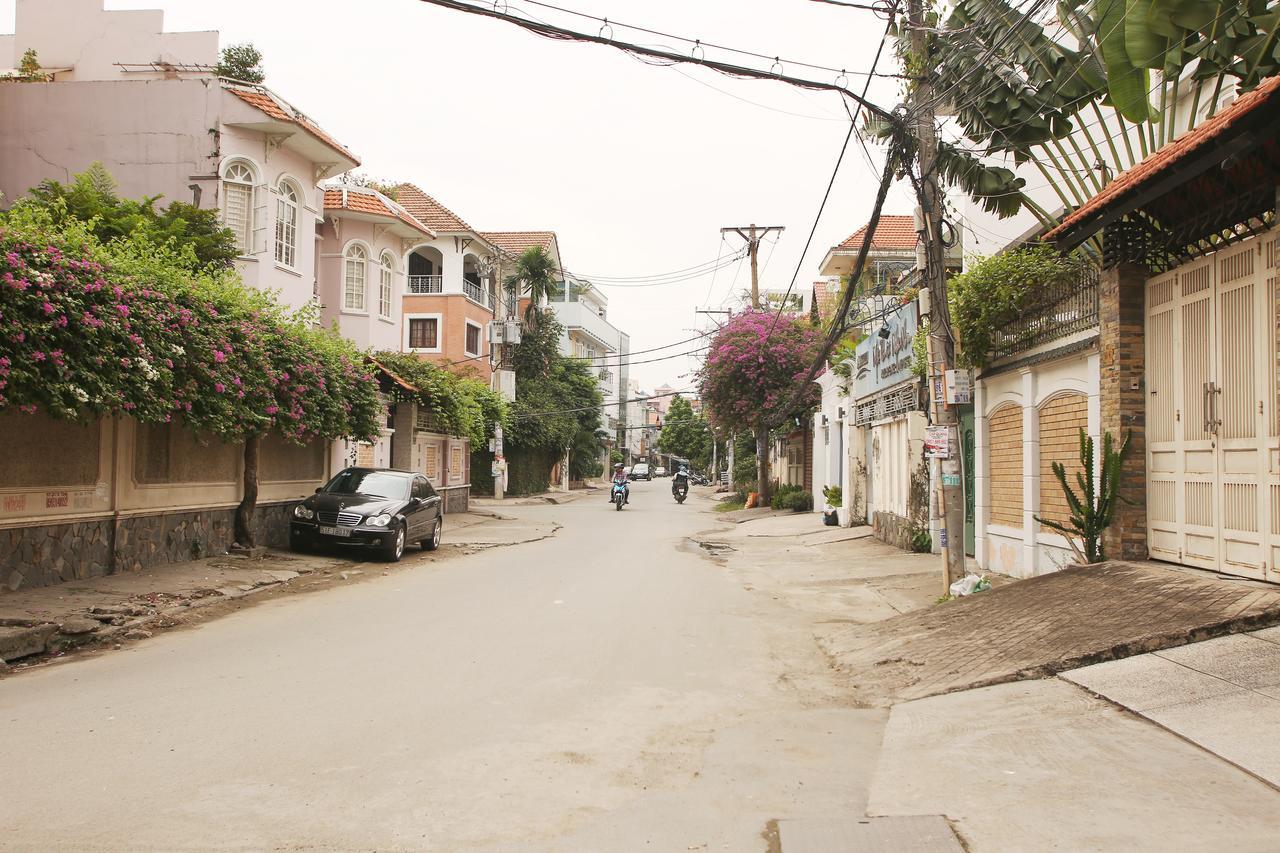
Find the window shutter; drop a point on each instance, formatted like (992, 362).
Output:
(261, 198)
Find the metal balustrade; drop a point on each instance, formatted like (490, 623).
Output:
(419, 284)
(1054, 311)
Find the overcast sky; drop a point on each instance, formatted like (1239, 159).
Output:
(635, 167)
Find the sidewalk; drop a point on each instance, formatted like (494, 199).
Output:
(52, 621)
(551, 496)
(1222, 695)
(1044, 625)
(1029, 764)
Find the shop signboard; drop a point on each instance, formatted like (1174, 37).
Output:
(885, 356)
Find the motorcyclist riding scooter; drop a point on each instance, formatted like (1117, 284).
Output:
(680, 484)
(620, 480)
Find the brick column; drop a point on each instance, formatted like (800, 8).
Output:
(1122, 401)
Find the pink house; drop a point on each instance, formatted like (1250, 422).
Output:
(163, 123)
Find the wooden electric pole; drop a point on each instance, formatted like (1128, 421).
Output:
(753, 235)
(948, 490)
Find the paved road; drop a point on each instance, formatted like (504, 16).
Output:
(606, 689)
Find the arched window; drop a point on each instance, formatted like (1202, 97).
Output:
(354, 277)
(238, 181)
(286, 224)
(385, 277)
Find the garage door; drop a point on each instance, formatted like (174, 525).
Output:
(1213, 488)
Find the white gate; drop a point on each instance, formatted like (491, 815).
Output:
(1213, 468)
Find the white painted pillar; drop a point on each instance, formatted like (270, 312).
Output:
(1094, 377)
(981, 480)
(451, 267)
(1030, 472)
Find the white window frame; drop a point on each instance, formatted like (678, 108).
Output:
(439, 347)
(471, 324)
(386, 284)
(240, 174)
(355, 257)
(288, 215)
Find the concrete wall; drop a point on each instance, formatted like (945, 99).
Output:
(81, 36)
(115, 495)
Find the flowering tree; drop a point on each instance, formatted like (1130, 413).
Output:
(751, 376)
(90, 329)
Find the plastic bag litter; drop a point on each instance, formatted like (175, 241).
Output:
(969, 584)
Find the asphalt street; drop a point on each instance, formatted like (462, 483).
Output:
(609, 688)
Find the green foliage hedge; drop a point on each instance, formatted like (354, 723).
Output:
(997, 290)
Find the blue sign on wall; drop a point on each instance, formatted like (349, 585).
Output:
(882, 362)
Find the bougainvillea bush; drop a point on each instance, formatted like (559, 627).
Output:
(754, 377)
(89, 329)
(750, 373)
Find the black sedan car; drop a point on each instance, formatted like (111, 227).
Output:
(376, 508)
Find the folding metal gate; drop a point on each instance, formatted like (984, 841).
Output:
(1213, 464)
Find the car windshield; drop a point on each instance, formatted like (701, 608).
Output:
(375, 484)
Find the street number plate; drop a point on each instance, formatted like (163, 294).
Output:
(335, 531)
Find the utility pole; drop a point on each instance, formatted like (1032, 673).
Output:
(948, 490)
(753, 235)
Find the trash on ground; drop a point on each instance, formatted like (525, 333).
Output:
(970, 584)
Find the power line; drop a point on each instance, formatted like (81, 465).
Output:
(605, 405)
(663, 57)
(698, 44)
(853, 125)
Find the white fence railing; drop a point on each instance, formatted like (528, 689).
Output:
(426, 284)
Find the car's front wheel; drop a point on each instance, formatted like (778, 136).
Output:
(395, 550)
(434, 542)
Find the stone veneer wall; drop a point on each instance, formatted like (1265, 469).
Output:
(1122, 401)
(892, 529)
(77, 550)
(456, 499)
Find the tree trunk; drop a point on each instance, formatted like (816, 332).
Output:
(762, 466)
(244, 512)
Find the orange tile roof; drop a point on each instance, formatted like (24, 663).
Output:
(892, 232)
(362, 200)
(825, 295)
(430, 212)
(516, 242)
(1171, 154)
(281, 110)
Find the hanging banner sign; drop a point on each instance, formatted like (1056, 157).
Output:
(884, 358)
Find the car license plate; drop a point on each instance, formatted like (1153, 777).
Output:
(335, 531)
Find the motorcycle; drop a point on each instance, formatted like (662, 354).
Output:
(680, 487)
(618, 496)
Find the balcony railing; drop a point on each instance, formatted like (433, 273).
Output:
(426, 284)
(1055, 311)
(477, 294)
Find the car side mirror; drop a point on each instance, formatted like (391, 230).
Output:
(319, 490)
(415, 502)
